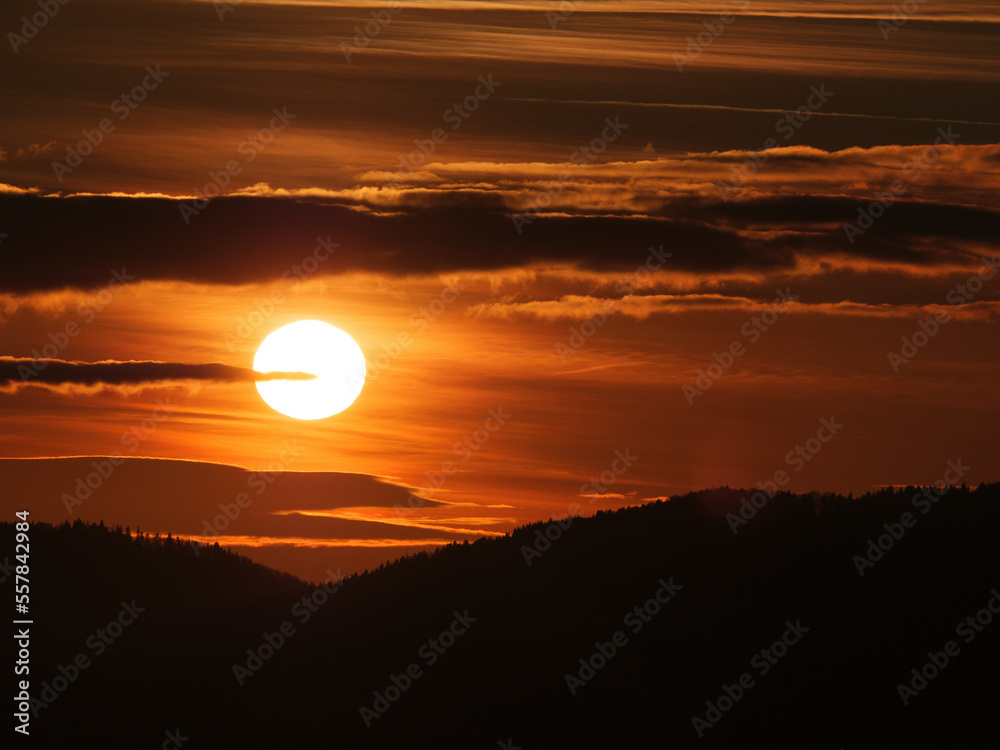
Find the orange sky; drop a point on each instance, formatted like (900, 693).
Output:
(594, 187)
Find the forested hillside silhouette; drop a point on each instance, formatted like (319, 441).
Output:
(524, 628)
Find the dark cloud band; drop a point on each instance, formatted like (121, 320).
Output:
(80, 242)
(14, 370)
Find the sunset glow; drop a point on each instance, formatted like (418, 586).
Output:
(556, 233)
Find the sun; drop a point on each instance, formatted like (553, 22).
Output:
(317, 348)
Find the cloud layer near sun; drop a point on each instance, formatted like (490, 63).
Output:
(930, 208)
(51, 373)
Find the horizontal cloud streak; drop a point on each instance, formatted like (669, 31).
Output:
(394, 517)
(17, 371)
(765, 110)
(579, 307)
(280, 541)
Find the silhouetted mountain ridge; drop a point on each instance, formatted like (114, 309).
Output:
(190, 659)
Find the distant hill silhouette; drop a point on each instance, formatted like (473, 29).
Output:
(517, 630)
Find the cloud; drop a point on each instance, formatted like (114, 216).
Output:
(245, 540)
(74, 242)
(777, 210)
(391, 516)
(35, 151)
(767, 110)
(582, 307)
(18, 372)
(13, 189)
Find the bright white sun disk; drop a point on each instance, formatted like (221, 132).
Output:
(319, 349)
